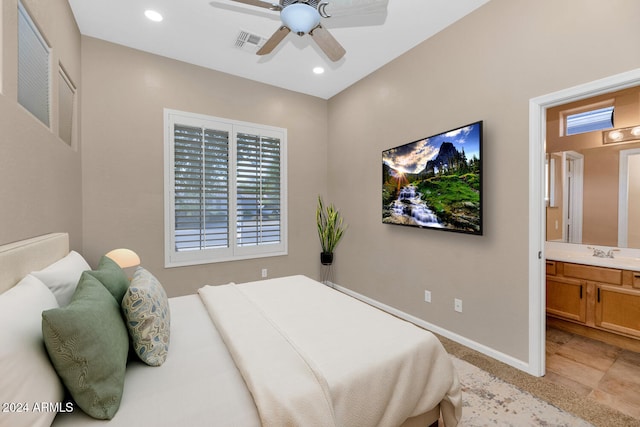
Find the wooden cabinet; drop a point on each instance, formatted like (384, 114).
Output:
(604, 299)
(635, 279)
(551, 267)
(618, 309)
(566, 298)
(591, 273)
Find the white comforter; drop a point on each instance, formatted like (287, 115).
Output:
(313, 356)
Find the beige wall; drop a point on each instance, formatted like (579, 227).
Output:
(484, 67)
(487, 66)
(626, 104)
(125, 92)
(40, 174)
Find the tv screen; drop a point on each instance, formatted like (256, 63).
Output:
(435, 182)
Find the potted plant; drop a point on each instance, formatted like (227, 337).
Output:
(330, 230)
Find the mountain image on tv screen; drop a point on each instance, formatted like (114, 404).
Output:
(435, 182)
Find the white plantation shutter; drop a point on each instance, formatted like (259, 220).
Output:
(224, 190)
(201, 158)
(258, 190)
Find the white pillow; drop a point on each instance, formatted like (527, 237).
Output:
(62, 276)
(27, 375)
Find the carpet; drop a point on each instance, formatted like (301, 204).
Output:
(489, 401)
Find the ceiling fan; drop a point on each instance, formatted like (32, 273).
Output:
(304, 17)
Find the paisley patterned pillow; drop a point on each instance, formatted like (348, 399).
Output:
(146, 310)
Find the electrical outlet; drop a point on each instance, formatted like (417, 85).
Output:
(457, 305)
(264, 273)
(427, 296)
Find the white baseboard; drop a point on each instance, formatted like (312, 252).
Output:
(488, 351)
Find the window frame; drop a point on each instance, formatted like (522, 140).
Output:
(64, 79)
(175, 258)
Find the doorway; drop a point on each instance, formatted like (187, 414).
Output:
(537, 214)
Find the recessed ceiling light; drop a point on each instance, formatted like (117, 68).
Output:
(318, 70)
(153, 15)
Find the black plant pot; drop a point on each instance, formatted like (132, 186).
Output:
(326, 258)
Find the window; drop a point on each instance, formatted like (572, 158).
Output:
(66, 101)
(225, 190)
(589, 119)
(33, 67)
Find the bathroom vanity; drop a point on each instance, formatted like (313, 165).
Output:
(594, 296)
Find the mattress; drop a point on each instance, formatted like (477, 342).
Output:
(198, 370)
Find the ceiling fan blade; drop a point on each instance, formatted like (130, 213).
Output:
(352, 21)
(335, 8)
(274, 40)
(260, 3)
(235, 7)
(327, 43)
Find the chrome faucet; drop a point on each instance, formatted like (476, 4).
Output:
(611, 251)
(600, 253)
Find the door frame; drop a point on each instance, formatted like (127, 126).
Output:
(537, 221)
(572, 196)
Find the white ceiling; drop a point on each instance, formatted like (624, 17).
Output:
(204, 34)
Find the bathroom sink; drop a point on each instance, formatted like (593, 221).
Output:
(627, 259)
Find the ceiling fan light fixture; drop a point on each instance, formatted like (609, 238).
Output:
(300, 18)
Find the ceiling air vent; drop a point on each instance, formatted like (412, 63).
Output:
(249, 42)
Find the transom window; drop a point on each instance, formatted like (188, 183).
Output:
(66, 106)
(589, 119)
(225, 188)
(33, 67)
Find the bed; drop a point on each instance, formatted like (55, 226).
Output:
(279, 352)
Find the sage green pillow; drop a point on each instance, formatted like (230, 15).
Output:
(112, 277)
(88, 345)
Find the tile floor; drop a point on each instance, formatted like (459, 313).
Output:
(596, 370)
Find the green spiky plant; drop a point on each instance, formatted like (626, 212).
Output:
(330, 226)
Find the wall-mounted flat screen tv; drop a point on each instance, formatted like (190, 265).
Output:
(435, 182)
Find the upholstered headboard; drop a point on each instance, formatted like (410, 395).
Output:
(20, 258)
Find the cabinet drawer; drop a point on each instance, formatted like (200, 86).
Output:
(596, 274)
(636, 279)
(552, 269)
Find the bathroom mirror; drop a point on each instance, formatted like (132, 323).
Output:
(592, 189)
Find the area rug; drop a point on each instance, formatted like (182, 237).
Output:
(489, 401)
(559, 396)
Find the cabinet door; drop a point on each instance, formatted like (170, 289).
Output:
(618, 309)
(566, 298)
